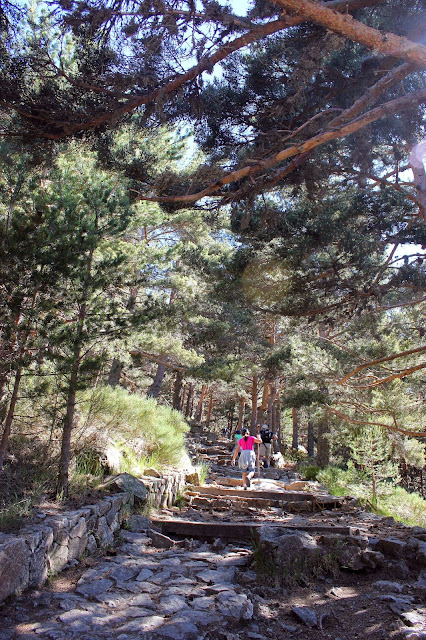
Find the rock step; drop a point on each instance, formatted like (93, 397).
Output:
(244, 503)
(286, 496)
(238, 530)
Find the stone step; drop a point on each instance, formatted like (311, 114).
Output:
(239, 530)
(287, 496)
(243, 503)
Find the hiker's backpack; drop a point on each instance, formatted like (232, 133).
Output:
(266, 436)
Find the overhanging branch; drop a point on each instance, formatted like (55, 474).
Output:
(405, 432)
(389, 108)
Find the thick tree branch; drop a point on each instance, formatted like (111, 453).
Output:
(380, 360)
(389, 108)
(388, 44)
(206, 64)
(370, 96)
(395, 376)
(405, 432)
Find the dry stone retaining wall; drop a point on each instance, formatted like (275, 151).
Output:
(40, 550)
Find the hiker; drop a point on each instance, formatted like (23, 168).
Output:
(237, 437)
(265, 449)
(247, 461)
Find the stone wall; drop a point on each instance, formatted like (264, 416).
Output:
(164, 491)
(58, 540)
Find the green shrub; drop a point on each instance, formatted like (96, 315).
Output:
(409, 508)
(310, 472)
(143, 432)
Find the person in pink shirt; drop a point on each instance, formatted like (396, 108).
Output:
(247, 460)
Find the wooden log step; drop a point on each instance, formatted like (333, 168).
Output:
(254, 493)
(239, 530)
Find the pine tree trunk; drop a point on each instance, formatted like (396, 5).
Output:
(254, 392)
(177, 390)
(278, 443)
(115, 373)
(241, 413)
(271, 401)
(231, 417)
(265, 396)
(182, 398)
(9, 417)
(200, 406)
(189, 402)
(64, 461)
(323, 446)
(154, 390)
(209, 410)
(311, 445)
(295, 440)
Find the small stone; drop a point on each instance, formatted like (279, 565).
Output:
(141, 600)
(399, 606)
(203, 603)
(143, 575)
(134, 537)
(94, 588)
(391, 546)
(178, 631)
(143, 625)
(138, 523)
(152, 472)
(288, 627)
(306, 615)
(235, 606)
(161, 577)
(412, 618)
(172, 604)
(159, 540)
(387, 585)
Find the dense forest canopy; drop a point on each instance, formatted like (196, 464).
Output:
(214, 200)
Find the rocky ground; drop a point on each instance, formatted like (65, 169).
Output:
(153, 587)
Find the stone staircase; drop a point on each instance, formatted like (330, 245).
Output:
(220, 508)
(194, 580)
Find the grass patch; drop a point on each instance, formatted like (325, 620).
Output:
(142, 432)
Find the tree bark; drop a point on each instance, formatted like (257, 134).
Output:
(311, 441)
(200, 406)
(254, 392)
(209, 410)
(182, 398)
(154, 390)
(64, 461)
(177, 387)
(115, 373)
(295, 440)
(189, 402)
(278, 443)
(416, 161)
(388, 43)
(231, 417)
(271, 400)
(323, 446)
(9, 417)
(241, 408)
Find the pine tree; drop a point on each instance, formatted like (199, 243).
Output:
(371, 450)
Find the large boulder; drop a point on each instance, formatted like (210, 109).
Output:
(128, 483)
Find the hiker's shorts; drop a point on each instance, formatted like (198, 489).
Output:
(265, 449)
(247, 460)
